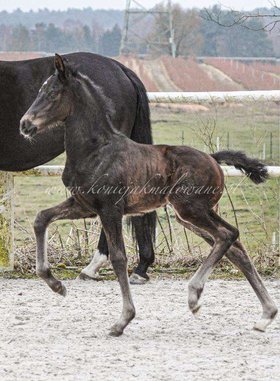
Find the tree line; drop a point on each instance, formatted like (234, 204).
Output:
(195, 34)
(78, 30)
(51, 38)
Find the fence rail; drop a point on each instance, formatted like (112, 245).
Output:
(56, 170)
(215, 97)
(7, 179)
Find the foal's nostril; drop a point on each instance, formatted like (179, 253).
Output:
(33, 131)
(24, 125)
(27, 128)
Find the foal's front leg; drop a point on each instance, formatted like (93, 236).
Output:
(112, 225)
(68, 209)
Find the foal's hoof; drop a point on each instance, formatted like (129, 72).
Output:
(195, 310)
(116, 331)
(60, 289)
(262, 325)
(266, 319)
(193, 300)
(137, 279)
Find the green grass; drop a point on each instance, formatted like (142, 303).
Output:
(245, 128)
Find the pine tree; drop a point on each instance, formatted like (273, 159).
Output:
(110, 42)
(20, 39)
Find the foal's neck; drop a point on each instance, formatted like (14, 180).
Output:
(88, 128)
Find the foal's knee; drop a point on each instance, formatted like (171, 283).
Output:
(119, 262)
(40, 223)
(232, 235)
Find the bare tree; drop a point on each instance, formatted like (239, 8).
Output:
(269, 19)
(187, 37)
(186, 24)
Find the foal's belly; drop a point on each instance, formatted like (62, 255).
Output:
(143, 205)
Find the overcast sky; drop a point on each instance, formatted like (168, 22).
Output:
(26, 5)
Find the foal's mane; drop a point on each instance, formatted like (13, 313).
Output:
(96, 95)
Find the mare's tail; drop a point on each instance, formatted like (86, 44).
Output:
(141, 133)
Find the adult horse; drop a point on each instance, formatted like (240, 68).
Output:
(20, 82)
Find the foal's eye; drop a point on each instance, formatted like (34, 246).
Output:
(52, 95)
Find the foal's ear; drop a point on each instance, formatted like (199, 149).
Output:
(60, 65)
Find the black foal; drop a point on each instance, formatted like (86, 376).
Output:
(110, 176)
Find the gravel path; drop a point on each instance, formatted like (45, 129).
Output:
(44, 337)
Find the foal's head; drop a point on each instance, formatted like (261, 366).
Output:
(53, 102)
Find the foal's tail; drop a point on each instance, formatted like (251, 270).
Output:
(253, 168)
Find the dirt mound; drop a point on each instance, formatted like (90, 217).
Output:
(220, 77)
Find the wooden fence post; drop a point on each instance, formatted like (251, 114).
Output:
(6, 221)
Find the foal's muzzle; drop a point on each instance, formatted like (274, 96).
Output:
(27, 128)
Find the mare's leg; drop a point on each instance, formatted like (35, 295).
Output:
(144, 229)
(68, 209)
(238, 256)
(112, 225)
(99, 259)
(224, 235)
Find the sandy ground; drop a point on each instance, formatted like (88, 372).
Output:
(219, 76)
(159, 75)
(46, 337)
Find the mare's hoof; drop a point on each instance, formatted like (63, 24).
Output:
(137, 279)
(84, 276)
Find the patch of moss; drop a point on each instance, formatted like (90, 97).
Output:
(4, 255)
(4, 242)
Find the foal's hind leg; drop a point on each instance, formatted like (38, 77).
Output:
(238, 256)
(224, 235)
(68, 209)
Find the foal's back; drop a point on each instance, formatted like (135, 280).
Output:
(177, 160)
(164, 171)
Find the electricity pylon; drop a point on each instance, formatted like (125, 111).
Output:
(134, 13)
